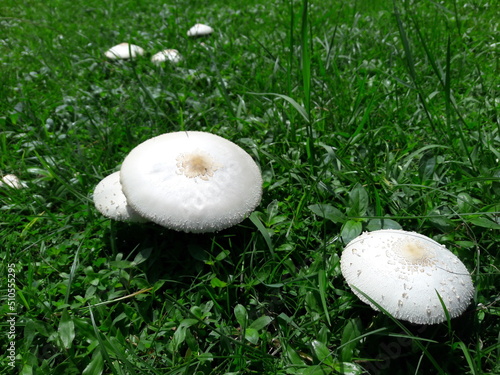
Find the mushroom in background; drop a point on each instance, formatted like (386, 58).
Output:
(200, 30)
(403, 272)
(191, 181)
(124, 51)
(111, 202)
(171, 55)
(12, 181)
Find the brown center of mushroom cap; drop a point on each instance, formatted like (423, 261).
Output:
(413, 252)
(196, 164)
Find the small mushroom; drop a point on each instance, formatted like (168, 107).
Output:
(200, 30)
(111, 202)
(171, 55)
(124, 51)
(191, 181)
(12, 181)
(404, 272)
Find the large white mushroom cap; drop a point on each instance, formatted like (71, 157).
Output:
(111, 202)
(124, 51)
(191, 181)
(200, 29)
(403, 272)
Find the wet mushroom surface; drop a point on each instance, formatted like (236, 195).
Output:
(407, 273)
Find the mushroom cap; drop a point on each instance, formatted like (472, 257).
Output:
(166, 55)
(191, 181)
(12, 181)
(124, 51)
(111, 202)
(402, 271)
(199, 30)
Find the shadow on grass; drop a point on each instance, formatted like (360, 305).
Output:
(394, 351)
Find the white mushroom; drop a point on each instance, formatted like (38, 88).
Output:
(200, 30)
(171, 55)
(191, 181)
(124, 51)
(12, 181)
(403, 272)
(111, 202)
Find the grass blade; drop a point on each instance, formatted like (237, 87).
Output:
(410, 64)
(102, 345)
(470, 362)
(306, 79)
(306, 58)
(302, 111)
(323, 293)
(263, 231)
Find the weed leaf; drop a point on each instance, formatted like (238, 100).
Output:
(328, 212)
(358, 201)
(321, 352)
(350, 230)
(241, 315)
(66, 329)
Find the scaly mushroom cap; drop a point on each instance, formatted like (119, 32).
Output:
(403, 272)
(191, 181)
(111, 202)
(124, 51)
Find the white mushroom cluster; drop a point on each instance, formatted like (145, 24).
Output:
(126, 51)
(187, 181)
(406, 274)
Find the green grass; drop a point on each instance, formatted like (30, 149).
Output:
(362, 115)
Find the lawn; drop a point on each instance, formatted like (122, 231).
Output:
(362, 115)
